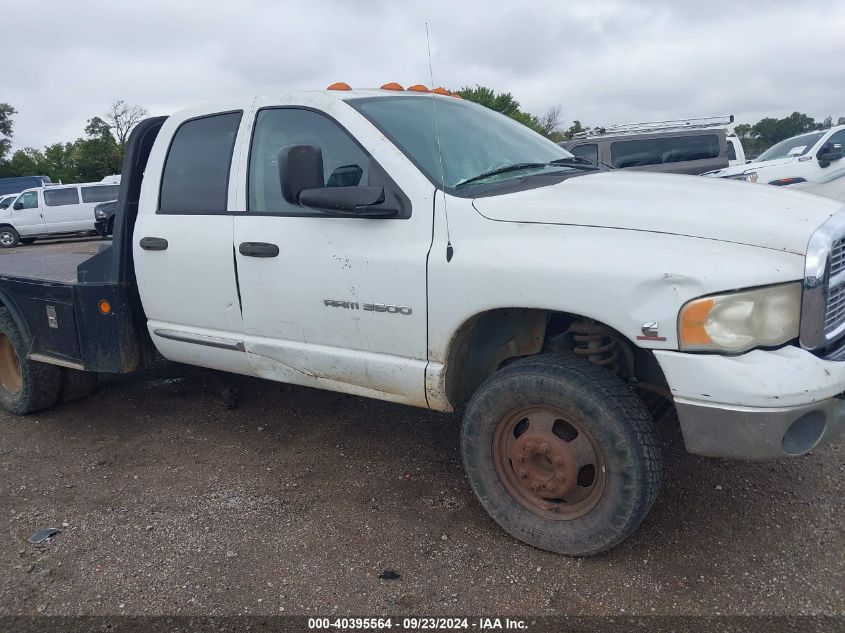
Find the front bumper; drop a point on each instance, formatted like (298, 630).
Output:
(759, 405)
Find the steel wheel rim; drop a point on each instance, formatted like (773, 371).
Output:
(6, 238)
(10, 368)
(549, 462)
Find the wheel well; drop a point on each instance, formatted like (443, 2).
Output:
(490, 340)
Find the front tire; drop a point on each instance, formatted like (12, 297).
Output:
(562, 454)
(9, 237)
(25, 386)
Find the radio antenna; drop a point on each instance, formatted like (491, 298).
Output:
(449, 250)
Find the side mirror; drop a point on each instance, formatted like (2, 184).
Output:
(300, 167)
(829, 153)
(17, 206)
(301, 179)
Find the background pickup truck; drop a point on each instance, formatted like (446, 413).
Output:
(416, 248)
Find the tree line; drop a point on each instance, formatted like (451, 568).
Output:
(87, 159)
(100, 151)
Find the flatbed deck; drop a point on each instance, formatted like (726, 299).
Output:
(53, 261)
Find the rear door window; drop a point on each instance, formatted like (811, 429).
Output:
(100, 193)
(196, 171)
(61, 197)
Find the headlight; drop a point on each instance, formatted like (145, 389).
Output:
(739, 321)
(750, 176)
(99, 214)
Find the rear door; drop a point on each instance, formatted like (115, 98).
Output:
(182, 242)
(334, 301)
(28, 218)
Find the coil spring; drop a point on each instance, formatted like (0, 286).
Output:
(592, 341)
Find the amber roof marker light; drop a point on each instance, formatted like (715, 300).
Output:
(392, 86)
(339, 85)
(418, 88)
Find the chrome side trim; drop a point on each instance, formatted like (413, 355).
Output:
(50, 360)
(199, 339)
(816, 268)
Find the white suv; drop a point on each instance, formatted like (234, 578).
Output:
(802, 158)
(54, 210)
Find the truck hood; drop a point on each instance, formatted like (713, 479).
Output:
(708, 208)
(752, 166)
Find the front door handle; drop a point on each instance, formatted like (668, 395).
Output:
(258, 249)
(153, 243)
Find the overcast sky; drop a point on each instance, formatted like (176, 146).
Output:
(602, 61)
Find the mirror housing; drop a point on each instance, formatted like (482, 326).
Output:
(301, 179)
(17, 206)
(300, 167)
(829, 153)
(358, 201)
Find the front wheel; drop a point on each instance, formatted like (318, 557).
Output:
(9, 237)
(562, 454)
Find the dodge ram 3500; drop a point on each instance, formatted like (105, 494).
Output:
(413, 247)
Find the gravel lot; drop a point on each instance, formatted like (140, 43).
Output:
(172, 499)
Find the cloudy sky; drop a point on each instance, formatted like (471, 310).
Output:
(602, 61)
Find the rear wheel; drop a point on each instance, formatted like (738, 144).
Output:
(9, 237)
(562, 454)
(25, 386)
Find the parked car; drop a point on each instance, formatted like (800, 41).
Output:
(5, 201)
(688, 146)
(51, 211)
(104, 218)
(19, 183)
(305, 239)
(806, 156)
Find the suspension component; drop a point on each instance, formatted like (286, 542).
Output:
(592, 340)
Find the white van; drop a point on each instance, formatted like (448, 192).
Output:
(50, 211)
(803, 158)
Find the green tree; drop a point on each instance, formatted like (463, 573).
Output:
(841, 121)
(770, 131)
(6, 123)
(502, 102)
(743, 131)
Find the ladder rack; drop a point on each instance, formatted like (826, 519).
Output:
(658, 126)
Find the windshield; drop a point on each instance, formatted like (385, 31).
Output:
(796, 146)
(474, 140)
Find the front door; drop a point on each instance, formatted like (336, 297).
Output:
(332, 301)
(26, 214)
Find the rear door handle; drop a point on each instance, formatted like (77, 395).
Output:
(258, 249)
(153, 243)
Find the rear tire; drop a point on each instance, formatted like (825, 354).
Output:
(77, 384)
(25, 386)
(562, 454)
(9, 237)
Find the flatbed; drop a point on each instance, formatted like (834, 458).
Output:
(56, 262)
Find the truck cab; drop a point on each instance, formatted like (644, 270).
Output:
(409, 246)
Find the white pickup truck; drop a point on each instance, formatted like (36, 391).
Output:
(413, 247)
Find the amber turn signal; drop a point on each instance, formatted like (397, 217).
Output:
(105, 306)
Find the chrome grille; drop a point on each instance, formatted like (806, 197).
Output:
(837, 257)
(835, 312)
(823, 300)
